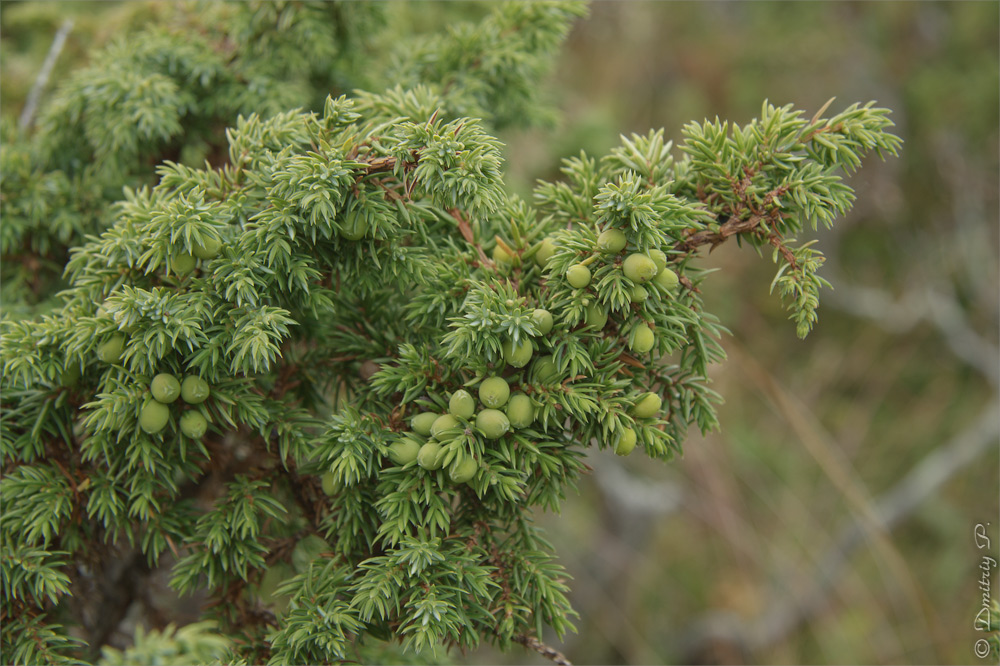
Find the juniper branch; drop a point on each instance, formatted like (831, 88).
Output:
(401, 403)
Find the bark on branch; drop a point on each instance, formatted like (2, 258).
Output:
(731, 227)
(555, 656)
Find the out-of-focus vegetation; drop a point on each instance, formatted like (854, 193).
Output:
(742, 549)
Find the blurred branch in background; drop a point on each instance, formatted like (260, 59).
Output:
(31, 104)
(918, 305)
(630, 505)
(832, 460)
(787, 614)
(634, 494)
(873, 518)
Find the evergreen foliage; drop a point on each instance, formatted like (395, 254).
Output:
(196, 643)
(335, 276)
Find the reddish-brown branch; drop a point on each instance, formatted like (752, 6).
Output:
(378, 164)
(466, 229)
(736, 224)
(732, 227)
(775, 240)
(632, 361)
(839, 127)
(550, 653)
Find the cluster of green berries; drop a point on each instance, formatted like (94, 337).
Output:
(646, 406)
(498, 412)
(641, 268)
(638, 267)
(166, 389)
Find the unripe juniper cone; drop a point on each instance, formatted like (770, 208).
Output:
(354, 226)
(647, 406)
(626, 442)
(429, 456)
(165, 388)
(543, 320)
(639, 268)
(578, 276)
(269, 582)
(493, 392)
(462, 404)
(404, 451)
(183, 264)
(207, 249)
(442, 424)
(193, 424)
(111, 351)
(273, 577)
(492, 423)
(545, 252)
(544, 369)
(643, 339)
(329, 484)
(518, 354)
(502, 256)
(596, 316)
(611, 241)
(70, 376)
(666, 279)
(308, 550)
(194, 390)
(659, 259)
(154, 417)
(520, 411)
(422, 423)
(463, 471)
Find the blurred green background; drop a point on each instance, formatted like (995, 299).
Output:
(831, 519)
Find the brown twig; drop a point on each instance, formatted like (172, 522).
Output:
(377, 164)
(466, 229)
(550, 653)
(775, 240)
(737, 224)
(732, 227)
